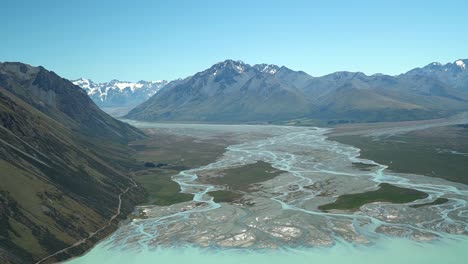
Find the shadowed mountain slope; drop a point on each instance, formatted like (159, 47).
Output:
(63, 165)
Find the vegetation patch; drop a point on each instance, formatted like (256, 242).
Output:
(162, 156)
(386, 193)
(419, 152)
(241, 178)
(224, 196)
(435, 202)
(363, 166)
(160, 188)
(176, 151)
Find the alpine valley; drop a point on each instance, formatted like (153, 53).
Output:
(70, 172)
(227, 132)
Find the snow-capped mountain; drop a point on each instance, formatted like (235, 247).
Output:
(120, 93)
(230, 90)
(239, 67)
(455, 74)
(461, 64)
(234, 91)
(267, 68)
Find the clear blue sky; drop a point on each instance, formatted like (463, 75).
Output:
(133, 40)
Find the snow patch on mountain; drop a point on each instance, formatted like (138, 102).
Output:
(120, 93)
(460, 64)
(84, 83)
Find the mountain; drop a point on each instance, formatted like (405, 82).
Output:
(454, 74)
(63, 166)
(233, 91)
(356, 97)
(119, 93)
(229, 91)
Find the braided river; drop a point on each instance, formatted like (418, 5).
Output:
(279, 221)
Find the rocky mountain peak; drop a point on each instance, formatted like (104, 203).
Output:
(116, 93)
(235, 67)
(461, 64)
(267, 68)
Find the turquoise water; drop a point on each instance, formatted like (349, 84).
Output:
(308, 157)
(392, 251)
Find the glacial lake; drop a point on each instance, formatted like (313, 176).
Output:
(387, 251)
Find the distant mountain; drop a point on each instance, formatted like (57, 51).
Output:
(119, 93)
(454, 74)
(63, 164)
(229, 91)
(233, 91)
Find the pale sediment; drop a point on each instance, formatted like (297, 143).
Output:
(283, 211)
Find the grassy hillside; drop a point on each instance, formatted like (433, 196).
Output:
(63, 165)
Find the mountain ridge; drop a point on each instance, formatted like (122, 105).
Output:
(234, 91)
(116, 93)
(63, 164)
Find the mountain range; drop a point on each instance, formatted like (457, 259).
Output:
(119, 93)
(233, 91)
(63, 166)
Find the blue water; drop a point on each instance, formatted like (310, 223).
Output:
(388, 250)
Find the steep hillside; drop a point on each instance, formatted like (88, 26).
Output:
(63, 164)
(232, 91)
